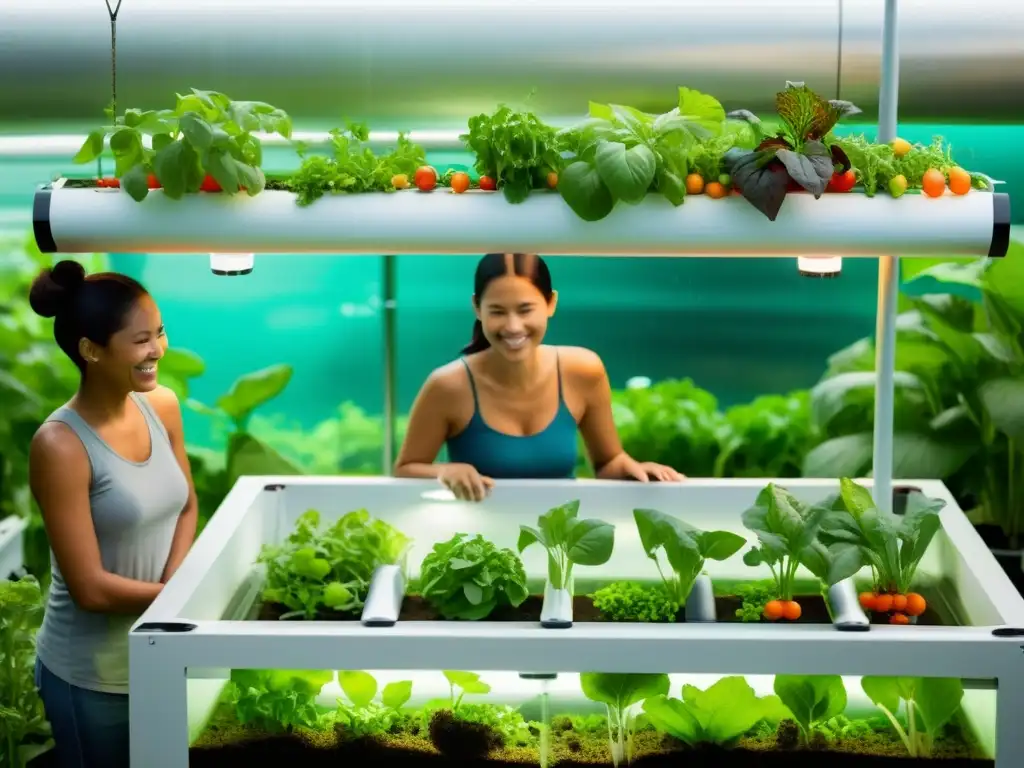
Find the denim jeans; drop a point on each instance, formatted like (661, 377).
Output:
(90, 728)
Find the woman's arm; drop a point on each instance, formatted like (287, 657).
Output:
(59, 476)
(426, 432)
(597, 426)
(167, 407)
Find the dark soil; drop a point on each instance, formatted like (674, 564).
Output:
(459, 739)
(415, 608)
(369, 753)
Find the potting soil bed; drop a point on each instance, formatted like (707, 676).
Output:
(415, 608)
(229, 744)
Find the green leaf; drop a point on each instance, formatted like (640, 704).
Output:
(528, 536)
(253, 390)
(627, 173)
(198, 132)
(938, 699)
(224, 168)
(1003, 398)
(589, 542)
(720, 545)
(671, 185)
(182, 363)
(396, 694)
(585, 193)
(91, 148)
(247, 455)
(830, 397)
(177, 168)
(136, 182)
(674, 717)
(359, 686)
(621, 690)
(960, 279)
(469, 682)
(811, 698)
(703, 114)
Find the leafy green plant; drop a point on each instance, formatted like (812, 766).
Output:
(515, 148)
(467, 578)
(803, 153)
(929, 704)
(812, 699)
(569, 541)
(619, 692)
(755, 595)
(24, 730)
(462, 683)
(720, 715)
(685, 548)
(361, 715)
(620, 153)
(892, 545)
(767, 437)
(787, 532)
(633, 601)
(353, 166)
(316, 569)
(205, 133)
(959, 412)
(277, 700)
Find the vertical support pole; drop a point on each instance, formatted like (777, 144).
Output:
(158, 722)
(389, 308)
(888, 278)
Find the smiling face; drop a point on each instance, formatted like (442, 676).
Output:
(514, 316)
(129, 360)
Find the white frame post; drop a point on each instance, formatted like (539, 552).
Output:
(888, 278)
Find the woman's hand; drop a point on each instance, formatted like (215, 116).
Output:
(465, 482)
(648, 470)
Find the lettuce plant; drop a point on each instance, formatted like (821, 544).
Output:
(685, 547)
(277, 700)
(633, 601)
(619, 692)
(569, 541)
(467, 578)
(929, 703)
(720, 715)
(315, 569)
(892, 545)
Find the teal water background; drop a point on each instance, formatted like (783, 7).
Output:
(738, 327)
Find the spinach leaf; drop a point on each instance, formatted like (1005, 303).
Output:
(569, 541)
(930, 703)
(685, 547)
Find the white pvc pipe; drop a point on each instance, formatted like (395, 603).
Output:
(888, 278)
(412, 222)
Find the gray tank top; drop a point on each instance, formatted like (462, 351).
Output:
(135, 508)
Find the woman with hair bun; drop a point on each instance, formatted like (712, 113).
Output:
(511, 406)
(110, 474)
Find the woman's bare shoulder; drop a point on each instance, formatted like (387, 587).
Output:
(448, 379)
(583, 364)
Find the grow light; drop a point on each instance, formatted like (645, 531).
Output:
(83, 220)
(232, 264)
(820, 266)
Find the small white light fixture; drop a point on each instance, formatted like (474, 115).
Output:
(820, 266)
(232, 264)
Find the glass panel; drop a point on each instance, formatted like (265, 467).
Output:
(458, 718)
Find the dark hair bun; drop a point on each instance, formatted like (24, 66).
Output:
(53, 289)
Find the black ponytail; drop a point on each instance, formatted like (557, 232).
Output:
(479, 342)
(495, 265)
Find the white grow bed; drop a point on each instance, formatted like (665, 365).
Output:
(184, 646)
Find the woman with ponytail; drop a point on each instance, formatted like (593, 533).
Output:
(511, 406)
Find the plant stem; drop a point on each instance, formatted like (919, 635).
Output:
(899, 730)
(912, 727)
(112, 12)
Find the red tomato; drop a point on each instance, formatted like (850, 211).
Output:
(152, 181)
(210, 184)
(425, 178)
(486, 182)
(460, 182)
(843, 182)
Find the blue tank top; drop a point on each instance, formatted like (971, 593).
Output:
(549, 454)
